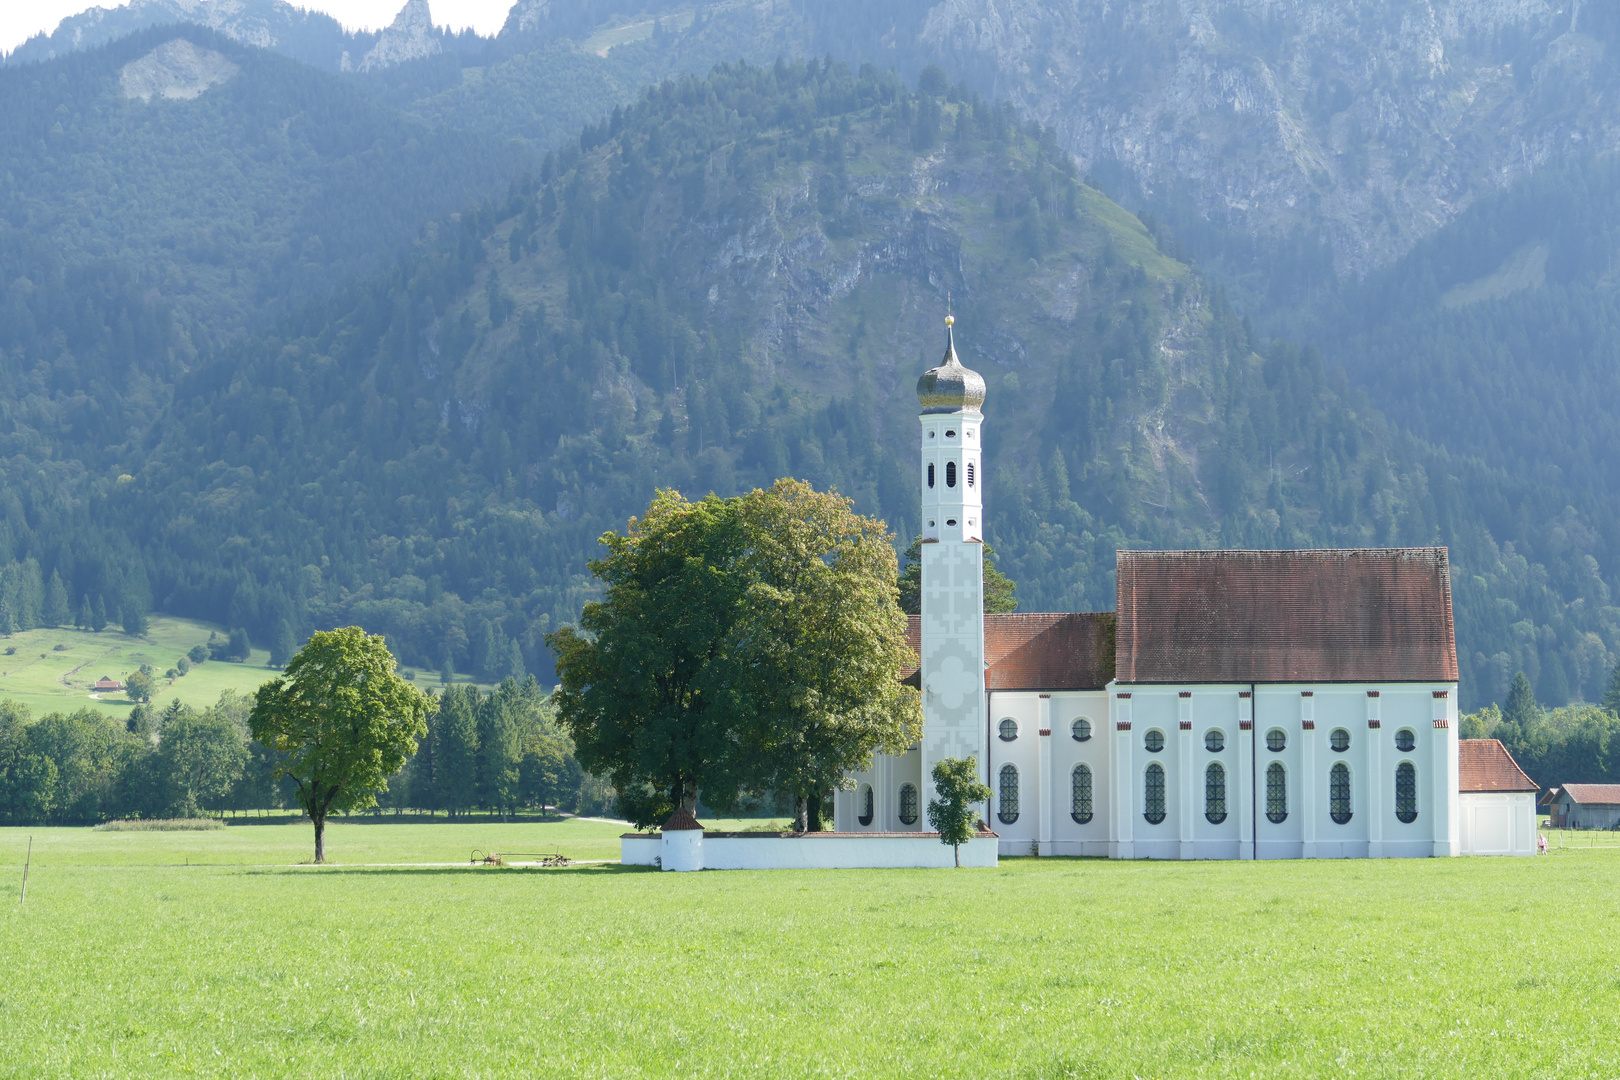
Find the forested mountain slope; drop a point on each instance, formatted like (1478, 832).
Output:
(740, 278)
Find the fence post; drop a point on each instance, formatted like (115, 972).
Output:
(26, 863)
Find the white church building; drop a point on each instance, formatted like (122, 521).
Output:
(1236, 705)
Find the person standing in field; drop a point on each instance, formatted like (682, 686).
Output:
(1541, 843)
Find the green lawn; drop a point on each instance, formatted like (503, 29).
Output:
(127, 962)
(48, 679)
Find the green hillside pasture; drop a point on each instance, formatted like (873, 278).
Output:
(47, 680)
(1043, 968)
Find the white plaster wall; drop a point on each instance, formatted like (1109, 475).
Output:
(1023, 753)
(886, 777)
(1068, 836)
(813, 852)
(1497, 823)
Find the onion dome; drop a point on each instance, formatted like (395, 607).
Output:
(950, 387)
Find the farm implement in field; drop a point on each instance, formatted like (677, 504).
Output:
(511, 858)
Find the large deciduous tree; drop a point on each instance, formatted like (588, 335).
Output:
(343, 718)
(753, 642)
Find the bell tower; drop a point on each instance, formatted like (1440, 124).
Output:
(952, 564)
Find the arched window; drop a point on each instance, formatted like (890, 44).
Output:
(1007, 811)
(950, 474)
(1405, 740)
(1009, 730)
(1214, 740)
(970, 473)
(1153, 794)
(865, 817)
(1153, 741)
(908, 805)
(1276, 740)
(1080, 729)
(1339, 740)
(930, 474)
(1276, 793)
(1215, 793)
(1080, 794)
(1406, 792)
(1339, 793)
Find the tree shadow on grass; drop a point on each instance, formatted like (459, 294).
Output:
(594, 869)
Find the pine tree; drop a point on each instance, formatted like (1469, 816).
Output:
(456, 750)
(1521, 709)
(282, 644)
(85, 616)
(1611, 696)
(8, 624)
(98, 614)
(57, 612)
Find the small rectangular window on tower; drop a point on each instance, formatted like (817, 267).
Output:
(930, 474)
(950, 474)
(970, 473)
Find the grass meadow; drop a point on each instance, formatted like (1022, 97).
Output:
(127, 961)
(50, 679)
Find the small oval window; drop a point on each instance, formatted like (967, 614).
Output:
(950, 434)
(1339, 740)
(1214, 740)
(865, 817)
(1276, 740)
(1080, 729)
(908, 805)
(950, 474)
(950, 521)
(1405, 740)
(1153, 741)
(1009, 730)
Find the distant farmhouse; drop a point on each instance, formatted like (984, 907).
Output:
(1236, 705)
(104, 683)
(1584, 806)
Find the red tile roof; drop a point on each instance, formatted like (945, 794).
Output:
(1486, 765)
(682, 821)
(1593, 793)
(1038, 651)
(1349, 615)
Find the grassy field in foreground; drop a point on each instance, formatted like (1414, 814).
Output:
(48, 679)
(118, 966)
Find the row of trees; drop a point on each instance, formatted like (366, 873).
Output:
(29, 599)
(497, 753)
(1572, 744)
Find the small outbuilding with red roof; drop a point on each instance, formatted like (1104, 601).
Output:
(1496, 801)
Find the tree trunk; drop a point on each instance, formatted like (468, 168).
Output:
(956, 849)
(801, 814)
(320, 837)
(813, 817)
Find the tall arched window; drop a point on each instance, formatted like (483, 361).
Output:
(1153, 794)
(970, 473)
(908, 805)
(1406, 792)
(930, 474)
(865, 816)
(950, 474)
(1007, 811)
(1339, 793)
(1080, 794)
(1276, 793)
(1215, 794)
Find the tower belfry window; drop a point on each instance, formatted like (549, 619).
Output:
(930, 474)
(970, 473)
(950, 474)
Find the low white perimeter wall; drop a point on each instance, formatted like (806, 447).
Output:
(1497, 823)
(817, 851)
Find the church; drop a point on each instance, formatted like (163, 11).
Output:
(1235, 705)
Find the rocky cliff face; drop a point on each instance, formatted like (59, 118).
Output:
(1373, 123)
(410, 36)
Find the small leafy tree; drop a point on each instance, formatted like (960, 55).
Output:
(202, 753)
(138, 686)
(957, 782)
(344, 719)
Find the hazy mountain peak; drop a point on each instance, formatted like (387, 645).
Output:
(177, 69)
(410, 36)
